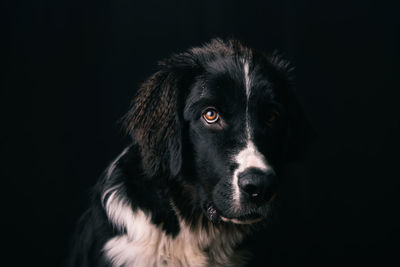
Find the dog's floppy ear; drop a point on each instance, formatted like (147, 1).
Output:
(155, 119)
(301, 134)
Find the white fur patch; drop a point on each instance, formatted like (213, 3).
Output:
(250, 157)
(246, 78)
(146, 244)
(119, 211)
(247, 87)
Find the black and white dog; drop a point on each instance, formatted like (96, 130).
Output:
(211, 132)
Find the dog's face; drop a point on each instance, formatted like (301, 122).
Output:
(237, 120)
(226, 112)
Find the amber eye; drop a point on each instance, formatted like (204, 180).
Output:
(210, 115)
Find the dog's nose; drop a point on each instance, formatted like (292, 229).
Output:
(257, 184)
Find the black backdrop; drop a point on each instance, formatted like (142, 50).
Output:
(70, 68)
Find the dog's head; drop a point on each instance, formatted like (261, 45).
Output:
(224, 116)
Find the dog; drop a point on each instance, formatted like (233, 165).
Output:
(212, 130)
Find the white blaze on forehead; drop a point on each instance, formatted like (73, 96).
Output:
(247, 87)
(246, 78)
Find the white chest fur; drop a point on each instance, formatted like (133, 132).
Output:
(146, 244)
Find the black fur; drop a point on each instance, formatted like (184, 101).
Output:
(176, 157)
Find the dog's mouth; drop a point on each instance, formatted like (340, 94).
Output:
(244, 219)
(216, 216)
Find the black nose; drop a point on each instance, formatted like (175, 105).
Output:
(257, 184)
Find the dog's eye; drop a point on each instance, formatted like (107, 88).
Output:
(210, 115)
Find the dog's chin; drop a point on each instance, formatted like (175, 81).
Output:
(244, 219)
(216, 216)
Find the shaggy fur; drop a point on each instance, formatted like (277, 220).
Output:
(188, 189)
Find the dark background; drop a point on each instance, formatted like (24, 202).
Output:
(70, 69)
